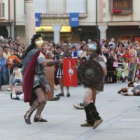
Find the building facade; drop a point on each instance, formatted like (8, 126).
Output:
(5, 18)
(98, 19)
(57, 13)
(119, 19)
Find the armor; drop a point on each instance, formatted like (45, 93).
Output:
(90, 73)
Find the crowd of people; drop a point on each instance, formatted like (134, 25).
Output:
(120, 58)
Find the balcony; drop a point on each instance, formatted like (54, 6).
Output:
(121, 7)
(61, 9)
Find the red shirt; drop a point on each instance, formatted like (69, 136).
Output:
(127, 56)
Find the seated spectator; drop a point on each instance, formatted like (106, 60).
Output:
(16, 78)
(17, 96)
(10, 62)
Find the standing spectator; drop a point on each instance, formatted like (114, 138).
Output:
(120, 49)
(119, 69)
(112, 42)
(110, 68)
(89, 42)
(6, 52)
(132, 61)
(74, 52)
(20, 51)
(3, 78)
(18, 40)
(125, 70)
(83, 52)
(138, 63)
(84, 42)
(126, 55)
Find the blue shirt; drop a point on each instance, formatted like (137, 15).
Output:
(3, 63)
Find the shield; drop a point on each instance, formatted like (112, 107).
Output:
(90, 73)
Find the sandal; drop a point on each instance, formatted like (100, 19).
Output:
(68, 94)
(60, 94)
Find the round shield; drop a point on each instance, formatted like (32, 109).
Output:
(90, 73)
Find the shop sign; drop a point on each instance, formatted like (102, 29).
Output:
(58, 21)
(74, 19)
(37, 19)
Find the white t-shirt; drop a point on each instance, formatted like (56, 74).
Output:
(17, 73)
(82, 53)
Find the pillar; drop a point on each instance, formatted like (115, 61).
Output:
(9, 31)
(103, 32)
(56, 29)
(29, 21)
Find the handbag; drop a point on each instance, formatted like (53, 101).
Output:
(115, 64)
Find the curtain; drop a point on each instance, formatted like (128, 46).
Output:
(122, 4)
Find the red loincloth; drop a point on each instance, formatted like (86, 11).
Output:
(28, 79)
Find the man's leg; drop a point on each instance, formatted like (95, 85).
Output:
(61, 88)
(68, 93)
(40, 99)
(92, 115)
(40, 108)
(87, 100)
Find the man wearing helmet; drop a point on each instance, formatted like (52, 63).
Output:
(35, 85)
(92, 116)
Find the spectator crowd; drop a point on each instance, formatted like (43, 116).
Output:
(121, 58)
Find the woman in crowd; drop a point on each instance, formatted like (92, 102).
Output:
(3, 69)
(112, 58)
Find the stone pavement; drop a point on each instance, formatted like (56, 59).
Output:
(121, 116)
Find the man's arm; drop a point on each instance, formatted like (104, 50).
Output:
(51, 63)
(104, 68)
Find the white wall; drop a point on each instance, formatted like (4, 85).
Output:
(6, 9)
(20, 15)
(91, 14)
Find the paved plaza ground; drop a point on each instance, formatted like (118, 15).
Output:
(121, 115)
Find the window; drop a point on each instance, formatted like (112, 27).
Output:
(2, 12)
(56, 6)
(76, 6)
(122, 4)
(60, 6)
(40, 6)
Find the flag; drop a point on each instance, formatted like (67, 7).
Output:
(69, 72)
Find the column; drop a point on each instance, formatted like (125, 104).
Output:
(9, 31)
(103, 32)
(29, 21)
(56, 29)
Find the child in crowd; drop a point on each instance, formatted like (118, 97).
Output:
(16, 78)
(74, 52)
(10, 61)
(119, 68)
(125, 70)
